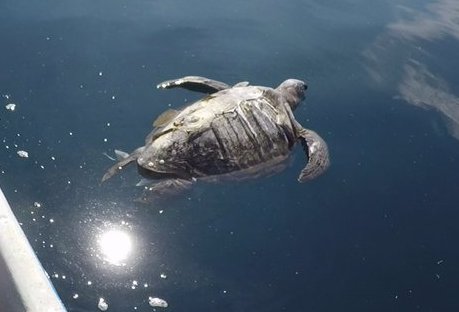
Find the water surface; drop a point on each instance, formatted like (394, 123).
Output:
(376, 233)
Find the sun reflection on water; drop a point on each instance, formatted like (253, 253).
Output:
(115, 246)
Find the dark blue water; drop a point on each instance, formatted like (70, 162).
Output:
(378, 232)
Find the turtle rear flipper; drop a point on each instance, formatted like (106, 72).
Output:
(195, 83)
(317, 153)
(126, 159)
(121, 155)
(165, 189)
(241, 84)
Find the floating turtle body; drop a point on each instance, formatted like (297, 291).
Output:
(233, 133)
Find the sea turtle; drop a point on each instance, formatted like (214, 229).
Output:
(235, 132)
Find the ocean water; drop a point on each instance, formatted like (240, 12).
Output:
(377, 232)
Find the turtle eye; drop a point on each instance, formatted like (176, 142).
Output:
(305, 86)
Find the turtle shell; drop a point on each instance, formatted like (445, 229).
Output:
(238, 132)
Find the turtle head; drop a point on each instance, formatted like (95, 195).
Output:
(293, 91)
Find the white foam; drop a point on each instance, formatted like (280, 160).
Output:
(102, 305)
(157, 302)
(11, 107)
(23, 154)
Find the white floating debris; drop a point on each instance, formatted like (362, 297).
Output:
(23, 154)
(163, 275)
(89, 283)
(100, 73)
(75, 296)
(36, 204)
(70, 133)
(51, 220)
(53, 158)
(157, 302)
(105, 139)
(11, 107)
(102, 305)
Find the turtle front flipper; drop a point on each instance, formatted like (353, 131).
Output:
(195, 83)
(317, 153)
(126, 160)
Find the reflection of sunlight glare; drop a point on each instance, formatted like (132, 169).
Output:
(115, 246)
